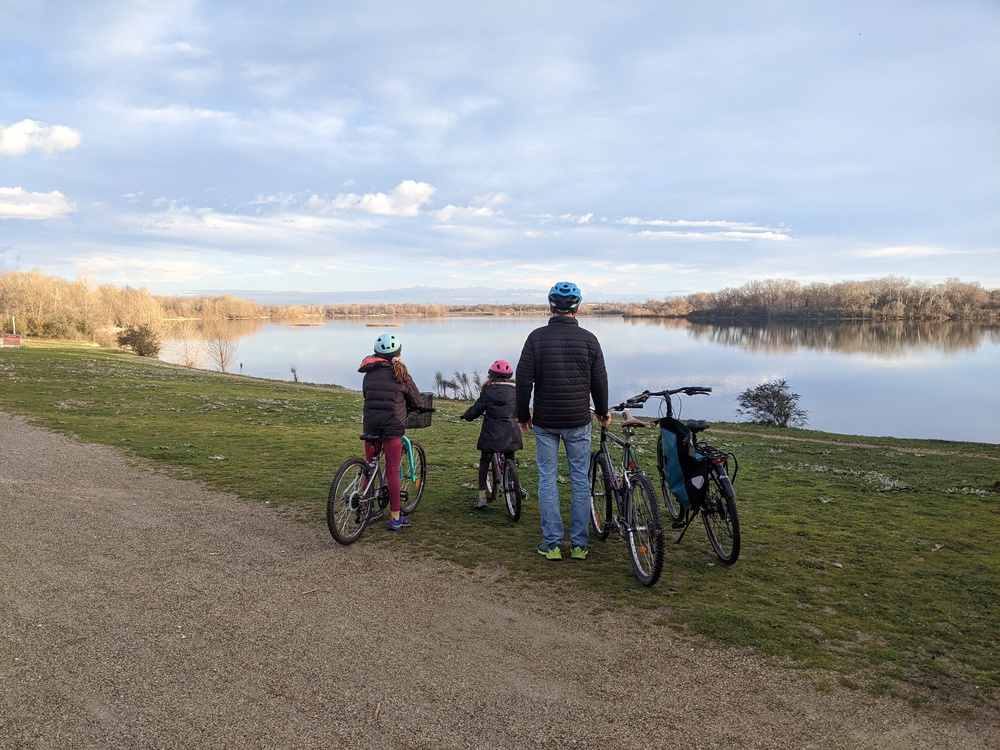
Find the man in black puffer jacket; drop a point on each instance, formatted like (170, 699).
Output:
(564, 365)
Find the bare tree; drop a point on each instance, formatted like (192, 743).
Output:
(221, 347)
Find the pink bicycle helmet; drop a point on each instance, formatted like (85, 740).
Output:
(502, 367)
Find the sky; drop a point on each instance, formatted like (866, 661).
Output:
(641, 148)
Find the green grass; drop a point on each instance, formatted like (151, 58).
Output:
(875, 558)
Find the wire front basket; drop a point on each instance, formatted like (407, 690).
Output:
(420, 415)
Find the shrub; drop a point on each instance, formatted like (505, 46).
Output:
(140, 339)
(772, 403)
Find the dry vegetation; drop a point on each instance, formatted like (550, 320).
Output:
(52, 307)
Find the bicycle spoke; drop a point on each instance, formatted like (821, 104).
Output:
(645, 533)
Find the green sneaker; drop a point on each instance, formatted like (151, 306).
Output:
(554, 553)
(579, 553)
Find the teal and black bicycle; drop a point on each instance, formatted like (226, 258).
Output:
(359, 494)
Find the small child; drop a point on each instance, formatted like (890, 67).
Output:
(389, 391)
(500, 433)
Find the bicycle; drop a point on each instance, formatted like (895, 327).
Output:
(638, 519)
(503, 480)
(718, 506)
(359, 493)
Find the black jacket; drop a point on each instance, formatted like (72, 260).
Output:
(500, 432)
(386, 401)
(564, 365)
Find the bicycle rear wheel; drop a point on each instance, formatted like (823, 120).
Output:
(645, 534)
(674, 507)
(411, 483)
(600, 495)
(512, 489)
(347, 509)
(718, 511)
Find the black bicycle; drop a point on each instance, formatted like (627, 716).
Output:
(502, 480)
(638, 518)
(694, 476)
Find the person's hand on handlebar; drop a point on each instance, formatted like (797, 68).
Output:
(605, 420)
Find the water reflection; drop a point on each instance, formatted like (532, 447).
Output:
(902, 379)
(867, 337)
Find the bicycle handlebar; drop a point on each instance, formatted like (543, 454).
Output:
(687, 390)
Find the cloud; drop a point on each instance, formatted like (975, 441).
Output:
(23, 136)
(18, 203)
(684, 229)
(484, 206)
(405, 199)
(903, 252)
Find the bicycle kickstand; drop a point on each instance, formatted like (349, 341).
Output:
(688, 518)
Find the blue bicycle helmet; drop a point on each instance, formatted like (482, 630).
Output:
(565, 297)
(387, 345)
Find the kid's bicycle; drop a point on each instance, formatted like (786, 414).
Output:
(636, 512)
(694, 476)
(502, 480)
(359, 494)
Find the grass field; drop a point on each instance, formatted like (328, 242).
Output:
(873, 558)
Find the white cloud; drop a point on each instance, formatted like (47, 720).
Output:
(902, 252)
(685, 229)
(405, 199)
(25, 135)
(18, 203)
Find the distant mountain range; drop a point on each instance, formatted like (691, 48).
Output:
(476, 295)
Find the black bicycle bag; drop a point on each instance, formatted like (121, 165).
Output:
(686, 469)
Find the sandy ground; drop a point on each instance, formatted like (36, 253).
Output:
(139, 611)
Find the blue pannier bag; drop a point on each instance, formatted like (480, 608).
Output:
(687, 470)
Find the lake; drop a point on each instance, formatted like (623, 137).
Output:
(907, 380)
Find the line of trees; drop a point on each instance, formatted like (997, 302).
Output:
(52, 307)
(887, 298)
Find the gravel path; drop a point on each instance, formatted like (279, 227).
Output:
(139, 611)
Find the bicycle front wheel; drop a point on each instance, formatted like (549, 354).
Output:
(411, 483)
(512, 489)
(645, 537)
(600, 495)
(674, 507)
(718, 510)
(347, 509)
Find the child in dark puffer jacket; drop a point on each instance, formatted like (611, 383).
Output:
(499, 433)
(389, 391)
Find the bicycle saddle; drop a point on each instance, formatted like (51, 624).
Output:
(697, 425)
(631, 421)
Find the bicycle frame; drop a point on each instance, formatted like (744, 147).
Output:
(621, 483)
(638, 519)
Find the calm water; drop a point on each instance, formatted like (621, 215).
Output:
(908, 381)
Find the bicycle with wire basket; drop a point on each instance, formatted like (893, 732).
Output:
(623, 499)
(694, 476)
(503, 481)
(359, 493)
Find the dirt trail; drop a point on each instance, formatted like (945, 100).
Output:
(139, 611)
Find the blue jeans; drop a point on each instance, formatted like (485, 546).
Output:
(577, 441)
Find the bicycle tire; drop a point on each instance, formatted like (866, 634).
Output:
(645, 534)
(718, 511)
(600, 495)
(411, 485)
(512, 489)
(492, 480)
(347, 511)
(673, 505)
